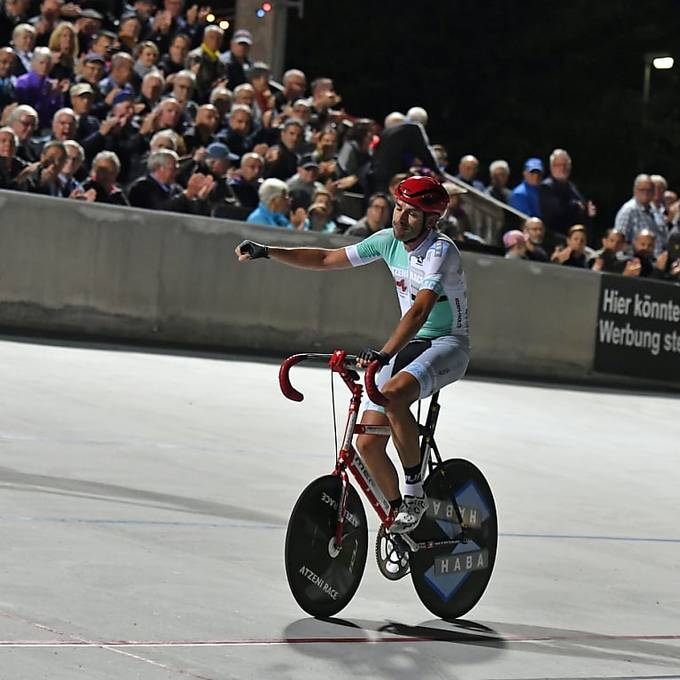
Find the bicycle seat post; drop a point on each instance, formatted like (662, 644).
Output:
(427, 443)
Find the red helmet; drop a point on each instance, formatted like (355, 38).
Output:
(424, 193)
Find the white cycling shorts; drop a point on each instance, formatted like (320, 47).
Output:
(433, 363)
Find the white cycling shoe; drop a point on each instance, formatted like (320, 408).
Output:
(411, 511)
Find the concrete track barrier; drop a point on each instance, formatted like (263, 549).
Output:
(101, 271)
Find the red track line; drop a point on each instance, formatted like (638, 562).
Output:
(80, 642)
(452, 636)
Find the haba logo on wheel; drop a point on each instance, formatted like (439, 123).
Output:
(457, 563)
(449, 572)
(319, 582)
(441, 510)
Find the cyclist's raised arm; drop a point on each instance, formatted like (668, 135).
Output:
(312, 258)
(306, 258)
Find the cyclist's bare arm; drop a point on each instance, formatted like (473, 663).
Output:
(312, 258)
(411, 322)
(306, 258)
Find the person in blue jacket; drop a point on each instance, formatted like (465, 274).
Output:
(524, 196)
(275, 208)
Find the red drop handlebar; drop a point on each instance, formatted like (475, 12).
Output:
(284, 381)
(343, 366)
(374, 394)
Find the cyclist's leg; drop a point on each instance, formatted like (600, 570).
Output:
(373, 450)
(372, 447)
(442, 363)
(403, 390)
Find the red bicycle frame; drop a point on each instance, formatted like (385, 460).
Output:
(348, 458)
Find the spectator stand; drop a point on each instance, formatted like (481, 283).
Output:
(195, 104)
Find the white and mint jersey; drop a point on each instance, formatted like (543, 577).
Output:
(434, 265)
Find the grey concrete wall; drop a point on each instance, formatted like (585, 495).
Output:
(530, 318)
(91, 269)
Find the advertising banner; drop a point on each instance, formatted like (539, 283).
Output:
(638, 328)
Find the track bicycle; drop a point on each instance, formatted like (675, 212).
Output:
(450, 554)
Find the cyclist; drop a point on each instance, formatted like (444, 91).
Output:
(428, 349)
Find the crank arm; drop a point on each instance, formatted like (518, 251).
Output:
(428, 545)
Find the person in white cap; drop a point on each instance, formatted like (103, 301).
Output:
(82, 98)
(236, 59)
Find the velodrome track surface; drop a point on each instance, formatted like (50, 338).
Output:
(144, 498)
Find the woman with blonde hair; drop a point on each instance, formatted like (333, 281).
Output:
(65, 48)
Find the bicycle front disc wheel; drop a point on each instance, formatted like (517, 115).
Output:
(449, 580)
(322, 576)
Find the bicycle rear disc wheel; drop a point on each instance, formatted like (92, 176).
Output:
(322, 578)
(449, 580)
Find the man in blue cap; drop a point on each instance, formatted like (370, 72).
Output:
(219, 158)
(214, 161)
(524, 196)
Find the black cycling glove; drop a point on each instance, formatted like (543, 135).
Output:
(373, 355)
(253, 249)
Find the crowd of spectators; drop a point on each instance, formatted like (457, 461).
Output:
(644, 240)
(153, 106)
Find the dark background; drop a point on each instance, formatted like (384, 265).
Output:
(510, 79)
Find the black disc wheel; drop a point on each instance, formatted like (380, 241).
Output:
(322, 576)
(450, 579)
(391, 554)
